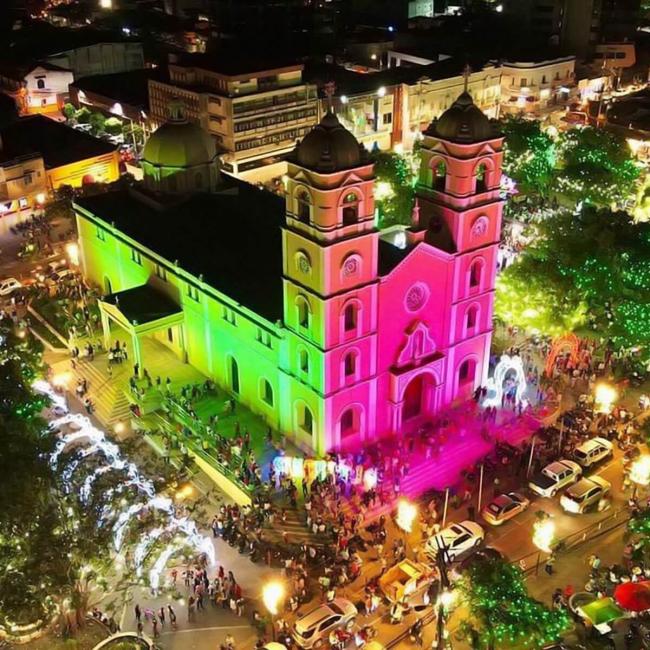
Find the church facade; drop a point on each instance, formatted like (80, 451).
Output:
(300, 308)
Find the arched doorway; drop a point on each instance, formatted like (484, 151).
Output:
(418, 396)
(234, 375)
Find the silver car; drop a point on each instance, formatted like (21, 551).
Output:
(312, 630)
(585, 493)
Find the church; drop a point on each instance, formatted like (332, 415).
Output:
(299, 306)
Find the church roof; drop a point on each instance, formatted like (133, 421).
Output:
(232, 238)
(463, 122)
(179, 143)
(329, 147)
(143, 304)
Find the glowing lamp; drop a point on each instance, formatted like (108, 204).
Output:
(344, 99)
(119, 427)
(640, 470)
(447, 598)
(381, 91)
(272, 595)
(370, 479)
(72, 250)
(40, 198)
(106, 4)
(544, 534)
(406, 513)
(61, 379)
(605, 397)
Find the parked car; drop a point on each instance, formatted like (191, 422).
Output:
(312, 629)
(60, 276)
(8, 286)
(504, 507)
(584, 494)
(457, 539)
(593, 451)
(554, 477)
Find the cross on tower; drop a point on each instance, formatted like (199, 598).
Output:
(329, 88)
(467, 71)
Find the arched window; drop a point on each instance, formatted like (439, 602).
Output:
(466, 372)
(40, 84)
(267, 392)
(481, 178)
(350, 209)
(348, 423)
(471, 318)
(475, 272)
(350, 317)
(440, 176)
(198, 180)
(303, 206)
(234, 375)
(303, 312)
(307, 420)
(303, 360)
(350, 364)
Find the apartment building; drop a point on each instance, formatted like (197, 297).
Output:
(255, 112)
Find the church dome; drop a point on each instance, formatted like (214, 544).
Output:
(329, 147)
(463, 122)
(179, 143)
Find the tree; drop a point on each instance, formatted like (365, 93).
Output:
(97, 121)
(113, 126)
(499, 604)
(597, 166)
(394, 188)
(132, 132)
(83, 115)
(588, 272)
(530, 155)
(69, 111)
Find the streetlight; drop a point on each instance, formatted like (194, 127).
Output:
(543, 536)
(605, 396)
(406, 514)
(272, 595)
(640, 473)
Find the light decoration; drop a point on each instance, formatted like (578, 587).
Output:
(272, 595)
(383, 190)
(406, 514)
(72, 251)
(544, 534)
(604, 397)
(640, 471)
(84, 434)
(506, 367)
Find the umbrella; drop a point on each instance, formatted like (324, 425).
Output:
(633, 596)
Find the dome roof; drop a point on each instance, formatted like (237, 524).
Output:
(463, 122)
(179, 143)
(329, 147)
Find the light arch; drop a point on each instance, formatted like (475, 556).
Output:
(561, 344)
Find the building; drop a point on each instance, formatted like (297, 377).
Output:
(533, 86)
(255, 111)
(69, 157)
(298, 306)
(23, 187)
(37, 88)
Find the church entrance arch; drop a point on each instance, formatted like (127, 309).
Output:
(418, 397)
(561, 345)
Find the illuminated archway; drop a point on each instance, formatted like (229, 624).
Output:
(495, 383)
(560, 345)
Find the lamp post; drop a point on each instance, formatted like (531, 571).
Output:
(446, 596)
(604, 396)
(406, 514)
(272, 595)
(543, 536)
(640, 473)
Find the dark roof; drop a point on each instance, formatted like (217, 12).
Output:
(329, 147)
(232, 238)
(143, 304)
(130, 87)
(390, 256)
(231, 62)
(57, 143)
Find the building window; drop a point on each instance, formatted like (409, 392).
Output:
(303, 358)
(161, 272)
(40, 84)
(234, 375)
(350, 318)
(264, 338)
(136, 257)
(350, 209)
(481, 182)
(28, 179)
(388, 118)
(475, 272)
(471, 318)
(350, 365)
(466, 372)
(348, 427)
(101, 234)
(193, 293)
(303, 312)
(303, 206)
(307, 420)
(267, 392)
(440, 176)
(229, 315)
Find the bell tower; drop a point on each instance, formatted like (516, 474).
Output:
(459, 213)
(330, 248)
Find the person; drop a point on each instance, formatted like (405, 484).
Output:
(550, 561)
(172, 616)
(229, 641)
(138, 612)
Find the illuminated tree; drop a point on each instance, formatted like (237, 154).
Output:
(500, 607)
(588, 272)
(530, 155)
(97, 121)
(394, 188)
(597, 166)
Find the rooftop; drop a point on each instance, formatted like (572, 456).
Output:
(143, 304)
(57, 143)
(237, 64)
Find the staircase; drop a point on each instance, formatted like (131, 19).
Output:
(295, 527)
(108, 396)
